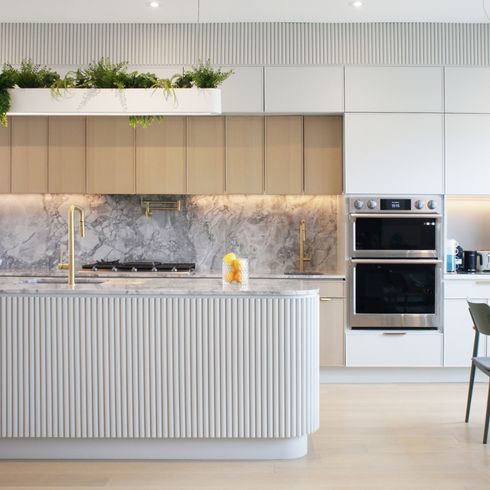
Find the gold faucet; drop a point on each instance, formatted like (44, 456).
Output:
(70, 266)
(302, 239)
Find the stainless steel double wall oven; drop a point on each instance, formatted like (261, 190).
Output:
(395, 262)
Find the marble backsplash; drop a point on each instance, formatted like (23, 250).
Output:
(262, 228)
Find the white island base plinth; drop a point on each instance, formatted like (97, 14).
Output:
(160, 369)
(289, 448)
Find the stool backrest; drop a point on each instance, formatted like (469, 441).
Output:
(480, 312)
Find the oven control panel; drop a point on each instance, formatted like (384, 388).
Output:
(390, 204)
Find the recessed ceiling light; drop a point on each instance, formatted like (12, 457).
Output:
(154, 5)
(357, 4)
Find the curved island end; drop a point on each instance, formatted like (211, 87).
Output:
(158, 369)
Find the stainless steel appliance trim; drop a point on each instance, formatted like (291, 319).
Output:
(402, 320)
(351, 239)
(394, 333)
(396, 261)
(437, 199)
(402, 254)
(395, 214)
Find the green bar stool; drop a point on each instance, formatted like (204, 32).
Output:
(480, 314)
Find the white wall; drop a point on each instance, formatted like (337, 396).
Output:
(468, 221)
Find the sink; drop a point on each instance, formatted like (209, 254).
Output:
(62, 280)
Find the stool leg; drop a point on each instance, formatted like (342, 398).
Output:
(487, 417)
(470, 392)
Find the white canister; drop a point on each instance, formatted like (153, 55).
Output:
(451, 245)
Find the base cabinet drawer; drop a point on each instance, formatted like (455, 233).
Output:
(393, 349)
(464, 289)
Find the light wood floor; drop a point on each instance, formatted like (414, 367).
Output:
(377, 437)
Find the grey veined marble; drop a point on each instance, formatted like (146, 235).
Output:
(33, 228)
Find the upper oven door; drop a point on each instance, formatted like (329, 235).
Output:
(394, 236)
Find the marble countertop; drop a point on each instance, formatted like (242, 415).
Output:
(163, 275)
(156, 286)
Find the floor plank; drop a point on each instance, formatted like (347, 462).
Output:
(372, 437)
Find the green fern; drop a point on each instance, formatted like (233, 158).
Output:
(104, 74)
(183, 81)
(205, 76)
(101, 74)
(30, 75)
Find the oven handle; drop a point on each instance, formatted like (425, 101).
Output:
(396, 261)
(393, 215)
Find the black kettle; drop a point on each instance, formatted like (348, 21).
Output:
(470, 259)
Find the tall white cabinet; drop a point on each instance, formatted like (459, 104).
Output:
(467, 130)
(467, 90)
(394, 130)
(394, 153)
(468, 154)
(394, 89)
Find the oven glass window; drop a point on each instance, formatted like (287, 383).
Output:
(395, 233)
(395, 288)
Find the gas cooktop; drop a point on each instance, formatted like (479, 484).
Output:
(143, 266)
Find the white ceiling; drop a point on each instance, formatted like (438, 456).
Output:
(243, 11)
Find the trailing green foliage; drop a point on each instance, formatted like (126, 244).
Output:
(4, 106)
(143, 121)
(7, 80)
(104, 74)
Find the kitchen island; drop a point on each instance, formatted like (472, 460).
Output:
(157, 368)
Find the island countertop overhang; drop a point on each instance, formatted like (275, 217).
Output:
(155, 287)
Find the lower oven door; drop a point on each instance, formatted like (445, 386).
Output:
(395, 293)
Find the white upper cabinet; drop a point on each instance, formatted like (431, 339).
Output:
(468, 90)
(243, 92)
(394, 153)
(304, 89)
(394, 89)
(467, 153)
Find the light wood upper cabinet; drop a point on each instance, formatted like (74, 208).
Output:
(393, 89)
(244, 91)
(160, 157)
(5, 159)
(323, 154)
(110, 156)
(206, 155)
(394, 153)
(284, 155)
(304, 89)
(244, 155)
(29, 154)
(195, 155)
(67, 155)
(467, 89)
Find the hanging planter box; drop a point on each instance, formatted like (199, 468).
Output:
(114, 102)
